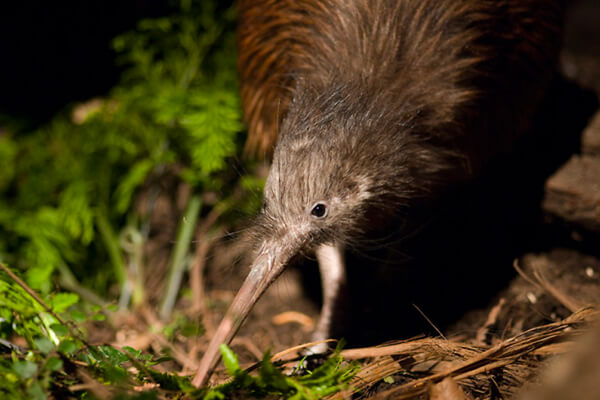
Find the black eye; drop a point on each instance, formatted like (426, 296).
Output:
(319, 210)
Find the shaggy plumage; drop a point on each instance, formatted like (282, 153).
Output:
(378, 103)
(371, 106)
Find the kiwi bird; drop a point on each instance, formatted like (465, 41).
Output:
(369, 107)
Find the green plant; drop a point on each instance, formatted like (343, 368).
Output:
(56, 359)
(327, 379)
(68, 189)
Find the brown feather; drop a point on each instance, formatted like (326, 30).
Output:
(450, 49)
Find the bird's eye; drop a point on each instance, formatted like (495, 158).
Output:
(319, 210)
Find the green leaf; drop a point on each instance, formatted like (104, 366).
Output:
(54, 364)
(98, 317)
(230, 360)
(59, 329)
(62, 301)
(78, 316)
(36, 392)
(76, 213)
(272, 376)
(43, 344)
(214, 395)
(134, 178)
(8, 152)
(25, 369)
(68, 346)
(112, 307)
(132, 352)
(43, 255)
(191, 328)
(96, 308)
(115, 356)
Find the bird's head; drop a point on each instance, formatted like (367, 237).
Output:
(342, 161)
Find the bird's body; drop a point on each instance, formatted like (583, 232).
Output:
(373, 106)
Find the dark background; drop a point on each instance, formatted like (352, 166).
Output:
(56, 53)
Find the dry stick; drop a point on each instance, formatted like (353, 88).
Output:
(510, 349)
(198, 297)
(570, 303)
(99, 390)
(286, 317)
(484, 368)
(421, 346)
(203, 245)
(196, 275)
(368, 376)
(430, 322)
(279, 356)
(150, 316)
(501, 391)
(403, 347)
(524, 275)
(554, 348)
(197, 278)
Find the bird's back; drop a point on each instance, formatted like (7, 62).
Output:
(468, 73)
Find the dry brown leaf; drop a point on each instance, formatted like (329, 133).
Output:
(287, 317)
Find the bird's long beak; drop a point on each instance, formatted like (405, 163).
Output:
(268, 265)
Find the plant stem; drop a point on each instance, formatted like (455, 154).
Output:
(67, 280)
(185, 235)
(112, 246)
